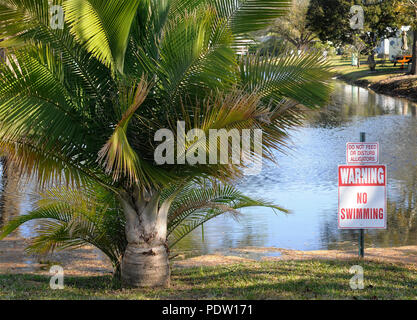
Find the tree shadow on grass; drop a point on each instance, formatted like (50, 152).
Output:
(308, 280)
(378, 72)
(311, 279)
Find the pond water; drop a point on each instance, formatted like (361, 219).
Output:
(304, 180)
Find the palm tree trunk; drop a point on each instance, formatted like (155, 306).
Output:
(145, 261)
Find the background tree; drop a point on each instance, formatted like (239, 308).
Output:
(407, 13)
(330, 19)
(81, 105)
(357, 47)
(293, 26)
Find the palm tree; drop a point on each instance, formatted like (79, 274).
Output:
(81, 105)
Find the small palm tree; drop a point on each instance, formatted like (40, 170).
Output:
(72, 218)
(81, 105)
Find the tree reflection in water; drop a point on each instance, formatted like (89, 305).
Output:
(350, 102)
(10, 196)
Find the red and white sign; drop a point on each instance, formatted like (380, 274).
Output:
(362, 152)
(362, 197)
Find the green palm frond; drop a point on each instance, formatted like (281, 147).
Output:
(302, 78)
(103, 27)
(243, 16)
(200, 203)
(19, 18)
(195, 51)
(49, 166)
(70, 218)
(27, 22)
(247, 16)
(117, 156)
(227, 114)
(43, 107)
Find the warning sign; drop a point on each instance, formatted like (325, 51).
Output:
(362, 197)
(362, 153)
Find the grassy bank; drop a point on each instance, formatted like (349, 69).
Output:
(387, 79)
(309, 279)
(352, 74)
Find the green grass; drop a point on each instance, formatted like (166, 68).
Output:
(310, 279)
(343, 68)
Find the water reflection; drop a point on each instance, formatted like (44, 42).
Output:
(15, 198)
(351, 102)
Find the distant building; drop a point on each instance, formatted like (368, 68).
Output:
(391, 47)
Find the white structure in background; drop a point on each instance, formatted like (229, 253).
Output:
(243, 47)
(392, 46)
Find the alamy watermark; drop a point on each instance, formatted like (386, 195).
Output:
(57, 279)
(356, 282)
(357, 20)
(56, 17)
(221, 146)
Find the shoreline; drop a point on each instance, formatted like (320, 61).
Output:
(404, 255)
(88, 261)
(404, 86)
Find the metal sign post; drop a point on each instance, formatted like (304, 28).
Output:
(361, 231)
